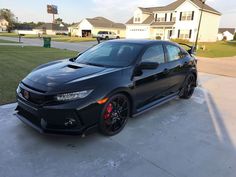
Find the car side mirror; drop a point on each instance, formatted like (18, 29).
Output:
(148, 65)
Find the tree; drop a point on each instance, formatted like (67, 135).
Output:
(9, 17)
(58, 20)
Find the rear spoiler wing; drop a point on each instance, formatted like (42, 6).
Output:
(191, 49)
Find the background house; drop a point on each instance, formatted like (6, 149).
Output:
(3, 24)
(179, 19)
(51, 29)
(89, 27)
(74, 29)
(226, 34)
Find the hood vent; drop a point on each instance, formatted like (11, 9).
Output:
(73, 66)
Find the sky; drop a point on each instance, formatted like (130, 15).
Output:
(115, 10)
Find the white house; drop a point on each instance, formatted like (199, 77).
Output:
(179, 19)
(226, 34)
(3, 24)
(89, 27)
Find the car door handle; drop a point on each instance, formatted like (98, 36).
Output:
(166, 71)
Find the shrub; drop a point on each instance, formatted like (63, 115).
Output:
(158, 37)
(180, 41)
(224, 38)
(234, 36)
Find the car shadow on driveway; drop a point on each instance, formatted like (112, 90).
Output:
(180, 138)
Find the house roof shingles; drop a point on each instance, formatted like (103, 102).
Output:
(162, 23)
(231, 30)
(103, 22)
(174, 5)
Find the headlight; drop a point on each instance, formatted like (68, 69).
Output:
(73, 95)
(18, 90)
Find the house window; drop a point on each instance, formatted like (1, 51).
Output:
(160, 19)
(184, 34)
(156, 17)
(137, 19)
(186, 16)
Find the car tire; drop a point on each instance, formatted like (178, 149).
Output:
(106, 38)
(118, 37)
(114, 115)
(188, 87)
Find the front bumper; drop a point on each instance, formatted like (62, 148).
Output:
(54, 119)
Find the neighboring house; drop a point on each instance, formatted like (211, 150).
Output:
(3, 24)
(179, 19)
(89, 27)
(51, 29)
(74, 29)
(226, 34)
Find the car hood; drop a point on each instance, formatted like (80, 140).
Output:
(58, 74)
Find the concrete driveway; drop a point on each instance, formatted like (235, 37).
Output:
(81, 46)
(183, 138)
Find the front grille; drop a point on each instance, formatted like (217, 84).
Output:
(34, 97)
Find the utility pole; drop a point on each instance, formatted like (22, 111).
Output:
(53, 18)
(199, 25)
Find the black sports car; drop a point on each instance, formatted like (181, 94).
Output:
(105, 85)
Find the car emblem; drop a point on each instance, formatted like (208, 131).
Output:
(26, 94)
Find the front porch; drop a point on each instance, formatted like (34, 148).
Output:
(163, 33)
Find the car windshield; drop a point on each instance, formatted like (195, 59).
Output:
(110, 54)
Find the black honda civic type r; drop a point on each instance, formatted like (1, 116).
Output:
(104, 86)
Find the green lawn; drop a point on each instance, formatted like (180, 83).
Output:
(8, 34)
(72, 39)
(59, 38)
(16, 62)
(5, 41)
(217, 49)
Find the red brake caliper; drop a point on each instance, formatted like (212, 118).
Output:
(109, 109)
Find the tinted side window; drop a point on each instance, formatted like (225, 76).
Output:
(174, 52)
(154, 54)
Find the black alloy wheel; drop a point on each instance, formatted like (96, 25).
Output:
(114, 115)
(189, 87)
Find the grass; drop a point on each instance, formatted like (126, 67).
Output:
(6, 41)
(58, 38)
(8, 34)
(217, 49)
(16, 62)
(72, 39)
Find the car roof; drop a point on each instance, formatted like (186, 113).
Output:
(141, 41)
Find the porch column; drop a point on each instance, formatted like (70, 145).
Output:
(164, 34)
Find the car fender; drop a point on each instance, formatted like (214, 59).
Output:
(126, 91)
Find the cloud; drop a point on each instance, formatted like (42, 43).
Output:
(121, 10)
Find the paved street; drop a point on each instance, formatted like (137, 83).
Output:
(60, 45)
(182, 138)
(221, 66)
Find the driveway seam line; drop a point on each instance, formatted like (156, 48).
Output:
(147, 160)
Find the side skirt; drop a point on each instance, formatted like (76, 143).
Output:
(155, 104)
